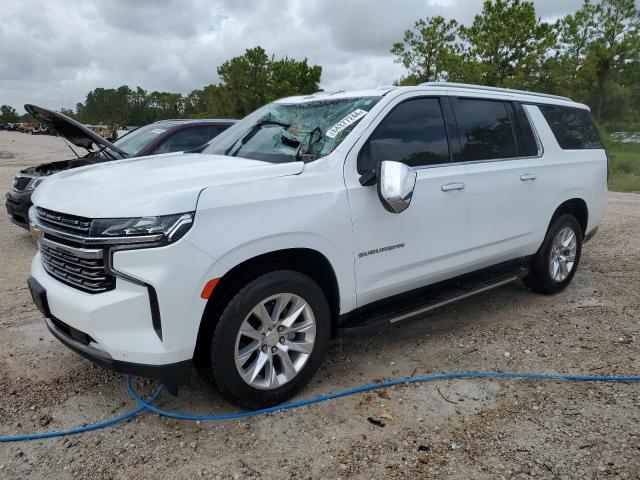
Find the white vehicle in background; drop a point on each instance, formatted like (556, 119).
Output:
(313, 214)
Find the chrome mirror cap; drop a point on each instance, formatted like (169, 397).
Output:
(396, 182)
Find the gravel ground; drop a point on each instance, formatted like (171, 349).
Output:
(482, 429)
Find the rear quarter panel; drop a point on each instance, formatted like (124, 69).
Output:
(567, 174)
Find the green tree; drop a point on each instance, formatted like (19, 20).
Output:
(509, 44)
(576, 33)
(8, 114)
(253, 79)
(429, 51)
(247, 82)
(618, 42)
(598, 56)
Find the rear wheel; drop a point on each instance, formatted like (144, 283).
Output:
(270, 339)
(552, 268)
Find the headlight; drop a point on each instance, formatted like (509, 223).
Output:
(35, 182)
(163, 229)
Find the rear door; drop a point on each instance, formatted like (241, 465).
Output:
(503, 159)
(395, 253)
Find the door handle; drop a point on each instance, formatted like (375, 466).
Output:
(452, 186)
(527, 177)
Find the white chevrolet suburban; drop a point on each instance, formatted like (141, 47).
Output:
(343, 210)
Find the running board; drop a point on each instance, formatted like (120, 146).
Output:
(429, 298)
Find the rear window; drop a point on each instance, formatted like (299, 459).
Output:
(573, 127)
(189, 138)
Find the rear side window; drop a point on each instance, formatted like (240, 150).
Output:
(486, 129)
(189, 138)
(412, 133)
(573, 127)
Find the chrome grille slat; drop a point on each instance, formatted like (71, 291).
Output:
(77, 272)
(77, 266)
(78, 262)
(76, 224)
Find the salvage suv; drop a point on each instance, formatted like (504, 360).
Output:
(314, 214)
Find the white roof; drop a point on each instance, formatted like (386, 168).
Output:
(336, 95)
(451, 88)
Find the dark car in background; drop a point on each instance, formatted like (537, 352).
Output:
(164, 136)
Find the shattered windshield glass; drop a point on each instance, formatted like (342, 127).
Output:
(286, 132)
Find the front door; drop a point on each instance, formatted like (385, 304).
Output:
(395, 253)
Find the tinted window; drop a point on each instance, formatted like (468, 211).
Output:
(572, 127)
(485, 129)
(527, 144)
(188, 139)
(413, 133)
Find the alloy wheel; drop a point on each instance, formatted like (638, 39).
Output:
(275, 341)
(563, 254)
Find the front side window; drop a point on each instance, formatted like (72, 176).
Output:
(188, 139)
(286, 132)
(485, 129)
(412, 133)
(573, 127)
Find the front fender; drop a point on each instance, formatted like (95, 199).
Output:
(238, 222)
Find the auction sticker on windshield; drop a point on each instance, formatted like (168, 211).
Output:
(350, 119)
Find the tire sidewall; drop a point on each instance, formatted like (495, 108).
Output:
(561, 222)
(222, 354)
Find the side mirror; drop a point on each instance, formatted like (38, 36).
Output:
(396, 182)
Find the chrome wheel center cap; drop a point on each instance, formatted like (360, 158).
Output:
(272, 338)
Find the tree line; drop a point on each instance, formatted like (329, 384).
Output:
(246, 82)
(592, 56)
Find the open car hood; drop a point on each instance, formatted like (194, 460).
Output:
(73, 131)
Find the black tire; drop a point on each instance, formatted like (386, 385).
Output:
(220, 367)
(539, 278)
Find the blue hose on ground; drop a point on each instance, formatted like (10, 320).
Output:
(86, 428)
(148, 404)
(375, 386)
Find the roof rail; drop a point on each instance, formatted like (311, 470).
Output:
(492, 89)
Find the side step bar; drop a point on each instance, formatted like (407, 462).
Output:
(405, 306)
(455, 298)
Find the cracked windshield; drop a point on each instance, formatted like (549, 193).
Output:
(287, 132)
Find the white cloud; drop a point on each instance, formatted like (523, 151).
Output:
(53, 53)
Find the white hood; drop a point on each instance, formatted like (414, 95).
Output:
(148, 186)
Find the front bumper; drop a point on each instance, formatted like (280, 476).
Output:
(119, 323)
(18, 204)
(173, 374)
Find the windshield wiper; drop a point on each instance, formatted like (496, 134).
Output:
(249, 135)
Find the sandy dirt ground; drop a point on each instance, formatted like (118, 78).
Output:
(482, 429)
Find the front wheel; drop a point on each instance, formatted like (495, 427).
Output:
(270, 339)
(552, 268)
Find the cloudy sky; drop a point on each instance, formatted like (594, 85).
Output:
(53, 52)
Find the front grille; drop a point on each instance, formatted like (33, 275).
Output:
(70, 267)
(69, 261)
(64, 222)
(20, 183)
